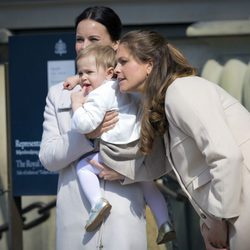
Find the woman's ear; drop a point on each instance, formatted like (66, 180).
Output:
(115, 45)
(149, 67)
(110, 73)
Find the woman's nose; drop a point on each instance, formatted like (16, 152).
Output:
(86, 43)
(117, 69)
(82, 46)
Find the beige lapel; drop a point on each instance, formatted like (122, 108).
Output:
(64, 99)
(167, 144)
(64, 111)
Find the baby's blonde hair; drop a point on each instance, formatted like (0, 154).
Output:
(104, 55)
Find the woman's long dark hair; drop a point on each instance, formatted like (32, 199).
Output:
(105, 16)
(168, 64)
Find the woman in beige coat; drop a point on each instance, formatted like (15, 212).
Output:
(61, 148)
(206, 133)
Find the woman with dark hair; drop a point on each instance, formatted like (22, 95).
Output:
(105, 16)
(61, 149)
(206, 133)
(100, 25)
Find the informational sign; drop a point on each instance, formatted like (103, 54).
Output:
(36, 62)
(58, 70)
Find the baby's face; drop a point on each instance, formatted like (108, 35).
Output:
(91, 77)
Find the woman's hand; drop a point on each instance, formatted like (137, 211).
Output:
(108, 123)
(105, 172)
(217, 236)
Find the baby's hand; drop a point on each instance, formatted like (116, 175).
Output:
(71, 82)
(78, 98)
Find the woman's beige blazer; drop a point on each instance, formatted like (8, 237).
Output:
(125, 228)
(209, 149)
